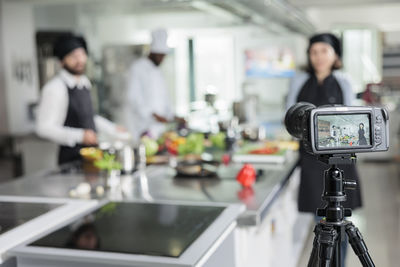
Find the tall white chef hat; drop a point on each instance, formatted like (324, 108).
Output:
(159, 42)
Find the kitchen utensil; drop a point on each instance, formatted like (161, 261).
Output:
(197, 169)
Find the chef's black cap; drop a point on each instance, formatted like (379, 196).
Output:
(67, 43)
(328, 38)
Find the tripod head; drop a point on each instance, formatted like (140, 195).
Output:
(335, 159)
(330, 232)
(335, 186)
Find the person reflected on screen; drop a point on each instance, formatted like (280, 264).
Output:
(362, 141)
(335, 135)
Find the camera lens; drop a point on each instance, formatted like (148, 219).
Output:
(297, 118)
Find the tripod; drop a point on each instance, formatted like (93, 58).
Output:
(331, 231)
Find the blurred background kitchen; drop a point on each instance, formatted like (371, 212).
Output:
(229, 66)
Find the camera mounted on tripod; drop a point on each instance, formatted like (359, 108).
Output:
(334, 134)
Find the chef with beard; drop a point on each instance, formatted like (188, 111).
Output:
(65, 113)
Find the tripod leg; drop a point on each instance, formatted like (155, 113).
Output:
(359, 247)
(327, 241)
(313, 261)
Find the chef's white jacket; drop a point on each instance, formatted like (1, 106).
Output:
(53, 108)
(147, 93)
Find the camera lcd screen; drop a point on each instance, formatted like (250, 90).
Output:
(343, 131)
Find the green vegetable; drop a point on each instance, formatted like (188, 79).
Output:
(218, 140)
(194, 144)
(150, 145)
(108, 163)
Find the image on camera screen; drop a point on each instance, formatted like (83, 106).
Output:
(343, 131)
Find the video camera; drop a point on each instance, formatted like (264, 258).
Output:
(339, 129)
(334, 134)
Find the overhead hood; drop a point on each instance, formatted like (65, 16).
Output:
(273, 15)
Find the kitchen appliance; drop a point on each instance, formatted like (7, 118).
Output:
(197, 169)
(14, 214)
(139, 234)
(25, 218)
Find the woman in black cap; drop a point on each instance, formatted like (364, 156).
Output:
(322, 84)
(65, 113)
(362, 141)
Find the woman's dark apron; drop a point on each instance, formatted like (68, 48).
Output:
(79, 115)
(312, 170)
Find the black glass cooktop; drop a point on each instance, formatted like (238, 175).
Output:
(135, 228)
(13, 214)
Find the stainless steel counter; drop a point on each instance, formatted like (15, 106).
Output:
(159, 184)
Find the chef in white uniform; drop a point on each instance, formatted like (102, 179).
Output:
(148, 107)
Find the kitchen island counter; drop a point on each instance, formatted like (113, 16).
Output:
(158, 183)
(268, 226)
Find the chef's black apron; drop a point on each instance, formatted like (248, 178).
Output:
(312, 170)
(79, 115)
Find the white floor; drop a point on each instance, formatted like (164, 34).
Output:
(379, 219)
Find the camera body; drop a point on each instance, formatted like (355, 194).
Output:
(351, 129)
(339, 129)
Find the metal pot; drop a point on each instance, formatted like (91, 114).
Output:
(253, 133)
